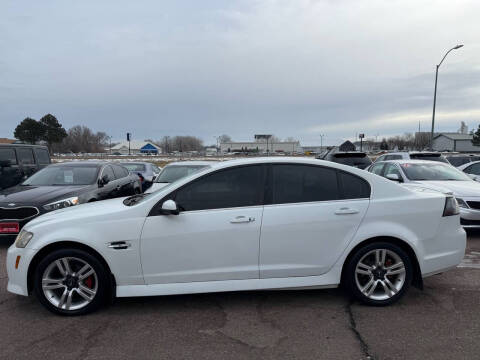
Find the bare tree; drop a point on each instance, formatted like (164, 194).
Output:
(224, 139)
(82, 139)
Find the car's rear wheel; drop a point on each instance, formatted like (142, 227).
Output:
(379, 273)
(71, 282)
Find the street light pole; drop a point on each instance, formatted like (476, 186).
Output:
(321, 141)
(435, 94)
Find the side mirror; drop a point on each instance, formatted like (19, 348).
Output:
(394, 177)
(170, 207)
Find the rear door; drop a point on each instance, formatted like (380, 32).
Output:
(314, 212)
(10, 174)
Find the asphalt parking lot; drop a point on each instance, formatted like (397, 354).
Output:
(441, 322)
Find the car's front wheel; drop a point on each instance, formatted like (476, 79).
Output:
(71, 282)
(379, 273)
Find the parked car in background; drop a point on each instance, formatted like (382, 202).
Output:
(63, 185)
(353, 158)
(18, 161)
(413, 155)
(147, 172)
(436, 176)
(252, 224)
(459, 160)
(472, 169)
(177, 170)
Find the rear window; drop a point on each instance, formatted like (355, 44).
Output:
(357, 160)
(42, 156)
(431, 157)
(458, 160)
(134, 167)
(8, 155)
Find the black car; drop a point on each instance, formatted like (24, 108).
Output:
(62, 185)
(459, 160)
(352, 158)
(18, 161)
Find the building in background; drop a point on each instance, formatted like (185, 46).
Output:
(137, 148)
(287, 147)
(454, 142)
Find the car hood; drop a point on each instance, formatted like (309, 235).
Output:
(21, 195)
(156, 186)
(458, 188)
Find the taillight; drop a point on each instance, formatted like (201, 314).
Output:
(451, 207)
(9, 228)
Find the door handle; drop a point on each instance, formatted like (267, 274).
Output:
(346, 211)
(119, 245)
(242, 219)
(118, 187)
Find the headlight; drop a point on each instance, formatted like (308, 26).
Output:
(462, 203)
(451, 207)
(23, 238)
(60, 204)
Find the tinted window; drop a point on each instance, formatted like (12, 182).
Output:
(301, 183)
(353, 187)
(8, 155)
(224, 189)
(360, 160)
(42, 156)
(431, 157)
(107, 170)
(458, 160)
(25, 156)
(63, 175)
(120, 172)
(393, 157)
(473, 169)
(377, 169)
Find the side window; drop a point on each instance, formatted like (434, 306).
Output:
(303, 183)
(393, 157)
(392, 169)
(25, 156)
(7, 154)
(473, 169)
(120, 171)
(107, 170)
(377, 169)
(353, 187)
(237, 187)
(42, 156)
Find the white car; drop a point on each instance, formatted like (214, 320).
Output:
(177, 170)
(440, 177)
(472, 169)
(250, 224)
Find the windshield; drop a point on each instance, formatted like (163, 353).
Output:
(134, 167)
(63, 175)
(435, 172)
(170, 174)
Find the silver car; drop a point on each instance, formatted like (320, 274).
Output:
(437, 176)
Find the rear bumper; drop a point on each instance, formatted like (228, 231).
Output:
(446, 249)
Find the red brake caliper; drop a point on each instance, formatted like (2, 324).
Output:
(89, 282)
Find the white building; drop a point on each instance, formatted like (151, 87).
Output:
(287, 147)
(454, 142)
(136, 148)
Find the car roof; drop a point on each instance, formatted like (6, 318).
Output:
(411, 161)
(24, 145)
(192, 163)
(82, 163)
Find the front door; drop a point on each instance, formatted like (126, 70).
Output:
(314, 213)
(215, 236)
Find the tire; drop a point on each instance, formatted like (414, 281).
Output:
(77, 289)
(374, 284)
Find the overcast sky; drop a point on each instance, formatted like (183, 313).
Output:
(290, 68)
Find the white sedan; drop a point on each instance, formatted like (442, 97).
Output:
(440, 177)
(246, 224)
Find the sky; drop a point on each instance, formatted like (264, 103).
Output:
(299, 69)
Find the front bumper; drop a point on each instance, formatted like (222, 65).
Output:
(470, 217)
(18, 276)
